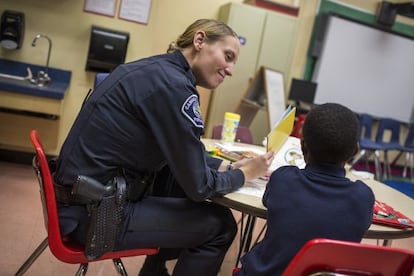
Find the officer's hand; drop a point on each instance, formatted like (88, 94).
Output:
(255, 167)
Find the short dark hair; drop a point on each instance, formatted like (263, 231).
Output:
(330, 133)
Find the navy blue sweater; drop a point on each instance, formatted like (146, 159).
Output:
(315, 202)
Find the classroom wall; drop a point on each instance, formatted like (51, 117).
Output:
(68, 26)
(65, 22)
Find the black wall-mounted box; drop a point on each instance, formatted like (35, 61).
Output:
(107, 49)
(12, 29)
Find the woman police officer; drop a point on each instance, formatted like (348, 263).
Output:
(143, 117)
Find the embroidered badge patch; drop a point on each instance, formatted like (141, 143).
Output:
(191, 109)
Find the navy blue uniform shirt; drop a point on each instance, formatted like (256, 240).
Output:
(316, 202)
(143, 116)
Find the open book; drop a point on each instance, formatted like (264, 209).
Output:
(281, 130)
(287, 148)
(386, 215)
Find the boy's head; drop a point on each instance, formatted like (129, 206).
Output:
(330, 134)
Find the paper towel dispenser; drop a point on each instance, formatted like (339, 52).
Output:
(107, 49)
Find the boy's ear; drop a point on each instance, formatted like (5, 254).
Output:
(303, 146)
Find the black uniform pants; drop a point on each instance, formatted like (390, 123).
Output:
(204, 230)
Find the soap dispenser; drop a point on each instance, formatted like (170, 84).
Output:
(12, 29)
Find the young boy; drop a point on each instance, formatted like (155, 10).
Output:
(317, 201)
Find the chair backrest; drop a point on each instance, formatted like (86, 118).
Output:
(391, 125)
(409, 141)
(298, 126)
(99, 77)
(365, 126)
(61, 251)
(349, 258)
(243, 134)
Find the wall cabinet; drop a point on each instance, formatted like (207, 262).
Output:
(268, 41)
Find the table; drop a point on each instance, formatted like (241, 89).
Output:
(253, 207)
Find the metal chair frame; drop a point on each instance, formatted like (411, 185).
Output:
(408, 148)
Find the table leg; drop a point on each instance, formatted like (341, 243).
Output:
(246, 233)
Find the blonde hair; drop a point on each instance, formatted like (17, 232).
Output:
(214, 30)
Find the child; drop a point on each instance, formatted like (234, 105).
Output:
(317, 201)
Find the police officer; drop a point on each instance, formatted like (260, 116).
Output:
(144, 116)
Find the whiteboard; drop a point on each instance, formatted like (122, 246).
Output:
(366, 69)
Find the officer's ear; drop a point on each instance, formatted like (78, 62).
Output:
(199, 40)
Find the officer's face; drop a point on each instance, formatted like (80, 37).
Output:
(215, 61)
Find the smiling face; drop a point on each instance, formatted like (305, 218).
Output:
(213, 61)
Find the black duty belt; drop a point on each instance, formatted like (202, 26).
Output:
(64, 195)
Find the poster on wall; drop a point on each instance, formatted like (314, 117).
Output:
(103, 7)
(135, 10)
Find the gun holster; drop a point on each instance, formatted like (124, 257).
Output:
(106, 212)
(139, 185)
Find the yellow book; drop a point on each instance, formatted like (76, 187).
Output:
(282, 130)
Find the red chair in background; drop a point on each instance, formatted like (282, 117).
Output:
(61, 247)
(243, 134)
(332, 257)
(298, 126)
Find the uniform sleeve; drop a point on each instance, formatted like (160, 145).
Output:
(175, 120)
(213, 162)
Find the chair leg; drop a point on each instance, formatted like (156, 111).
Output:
(36, 253)
(411, 164)
(387, 169)
(377, 162)
(358, 157)
(120, 267)
(259, 236)
(83, 268)
(407, 159)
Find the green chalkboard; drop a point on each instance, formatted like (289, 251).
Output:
(358, 15)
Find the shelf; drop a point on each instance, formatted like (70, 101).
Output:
(254, 103)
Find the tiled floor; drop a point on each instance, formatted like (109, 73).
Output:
(22, 230)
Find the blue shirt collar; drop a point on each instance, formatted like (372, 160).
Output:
(182, 61)
(326, 168)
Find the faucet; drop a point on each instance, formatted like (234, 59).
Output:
(42, 76)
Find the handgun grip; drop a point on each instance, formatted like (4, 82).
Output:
(91, 189)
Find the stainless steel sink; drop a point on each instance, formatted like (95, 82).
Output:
(17, 79)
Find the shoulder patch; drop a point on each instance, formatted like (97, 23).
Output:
(191, 109)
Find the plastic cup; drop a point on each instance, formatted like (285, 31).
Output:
(230, 125)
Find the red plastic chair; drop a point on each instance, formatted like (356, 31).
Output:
(61, 247)
(298, 126)
(332, 257)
